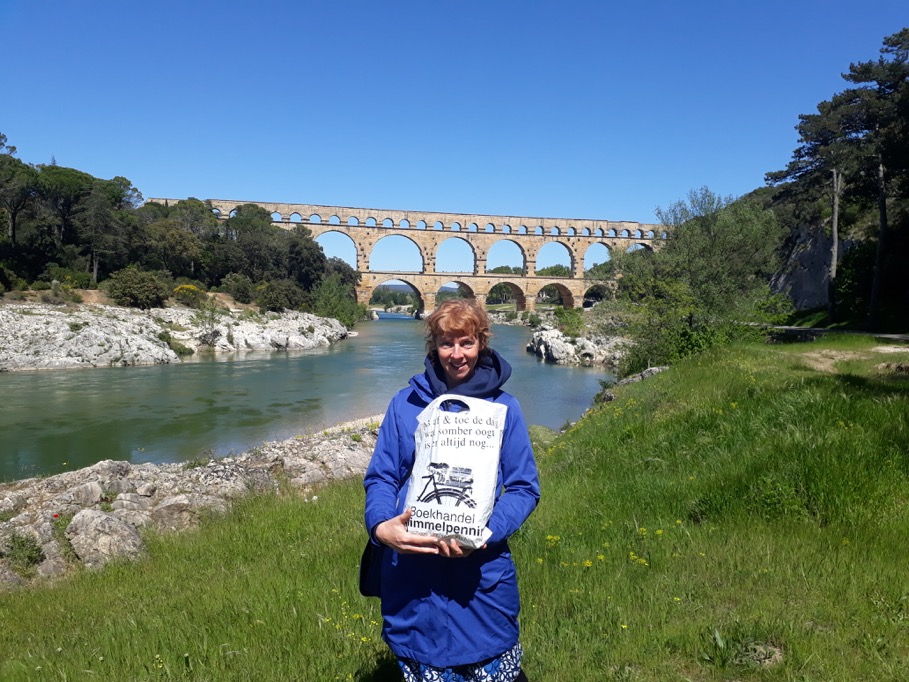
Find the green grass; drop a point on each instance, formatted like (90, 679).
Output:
(743, 516)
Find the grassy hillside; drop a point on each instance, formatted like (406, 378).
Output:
(738, 517)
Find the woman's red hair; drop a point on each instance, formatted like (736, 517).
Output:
(458, 316)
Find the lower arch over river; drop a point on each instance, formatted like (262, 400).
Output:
(54, 421)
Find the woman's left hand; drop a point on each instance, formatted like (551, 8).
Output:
(452, 549)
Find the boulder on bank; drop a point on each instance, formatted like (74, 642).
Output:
(551, 345)
(43, 336)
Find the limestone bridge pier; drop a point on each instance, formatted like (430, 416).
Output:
(427, 230)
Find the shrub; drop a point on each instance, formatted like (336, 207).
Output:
(174, 345)
(52, 298)
(333, 299)
(207, 318)
(239, 286)
(68, 277)
(23, 552)
(280, 295)
(194, 282)
(570, 321)
(189, 295)
(136, 288)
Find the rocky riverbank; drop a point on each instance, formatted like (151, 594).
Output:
(52, 526)
(43, 336)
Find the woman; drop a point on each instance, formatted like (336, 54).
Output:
(451, 613)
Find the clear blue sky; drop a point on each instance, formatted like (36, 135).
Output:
(584, 109)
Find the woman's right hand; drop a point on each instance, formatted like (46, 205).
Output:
(394, 534)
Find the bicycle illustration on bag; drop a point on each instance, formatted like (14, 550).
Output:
(445, 481)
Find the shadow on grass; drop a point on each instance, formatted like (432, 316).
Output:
(385, 670)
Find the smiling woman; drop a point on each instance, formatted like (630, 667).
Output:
(440, 620)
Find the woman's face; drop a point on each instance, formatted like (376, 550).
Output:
(458, 354)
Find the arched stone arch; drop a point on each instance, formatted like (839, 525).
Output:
(538, 229)
(456, 227)
(555, 251)
(466, 290)
(339, 239)
(217, 212)
(495, 253)
(403, 279)
(447, 252)
(489, 228)
(438, 225)
(296, 217)
(353, 221)
(506, 229)
(570, 231)
(388, 222)
(370, 222)
(600, 291)
(421, 224)
(277, 217)
(594, 255)
(233, 212)
(472, 227)
(585, 232)
(515, 291)
(522, 229)
(404, 224)
(624, 234)
(394, 247)
(568, 299)
(637, 246)
(315, 218)
(334, 220)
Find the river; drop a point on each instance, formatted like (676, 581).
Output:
(54, 421)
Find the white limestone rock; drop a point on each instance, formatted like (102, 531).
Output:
(42, 336)
(97, 538)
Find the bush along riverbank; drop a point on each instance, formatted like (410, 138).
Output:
(45, 336)
(738, 516)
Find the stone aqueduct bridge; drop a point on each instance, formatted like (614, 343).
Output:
(427, 230)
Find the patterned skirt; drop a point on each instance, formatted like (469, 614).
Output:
(503, 668)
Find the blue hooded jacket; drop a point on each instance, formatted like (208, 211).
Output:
(440, 611)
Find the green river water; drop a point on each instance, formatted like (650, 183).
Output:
(53, 421)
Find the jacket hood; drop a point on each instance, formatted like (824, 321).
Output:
(489, 375)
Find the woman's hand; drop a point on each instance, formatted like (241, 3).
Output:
(452, 549)
(394, 534)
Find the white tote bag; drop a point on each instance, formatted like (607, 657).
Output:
(453, 483)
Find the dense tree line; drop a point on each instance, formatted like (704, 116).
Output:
(64, 225)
